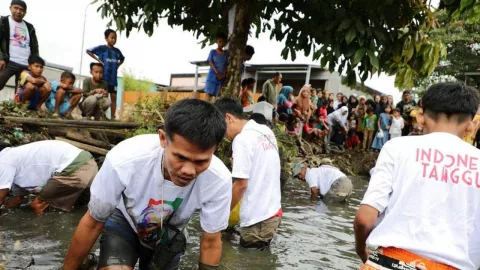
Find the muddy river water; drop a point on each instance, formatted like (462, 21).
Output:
(312, 235)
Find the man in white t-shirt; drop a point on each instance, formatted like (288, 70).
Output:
(427, 189)
(149, 187)
(57, 172)
(326, 181)
(256, 171)
(18, 41)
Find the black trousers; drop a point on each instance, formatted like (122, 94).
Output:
(11, 69)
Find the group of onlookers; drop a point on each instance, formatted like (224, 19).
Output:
(315, 114)
(20, 58)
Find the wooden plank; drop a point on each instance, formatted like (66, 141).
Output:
(75, 123)
(84, 139)
(83, 146)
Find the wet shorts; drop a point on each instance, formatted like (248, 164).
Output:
(259, 235)
(112, 89)
(340, 190)
(119, 245)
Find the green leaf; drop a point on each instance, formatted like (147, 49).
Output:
(351, 33)
(373, 60)
(360, 27)
(344, 25)
(293, 54)
(359, 54)
(465, 4)
(323, 61)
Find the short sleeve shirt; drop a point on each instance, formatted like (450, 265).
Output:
(256, 158)
(31, 165)
(19, 42)
(133, 182)
(220, 60)
(111, 57)
(428, 190)
(88, 86)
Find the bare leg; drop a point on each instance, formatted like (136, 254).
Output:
(15, 201)
(74, 100)
(45, 91)
(38, 206)
(113, 108)
(59, 96)
(28, 92)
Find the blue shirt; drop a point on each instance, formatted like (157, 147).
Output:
(111, 57)
(50, 102)
(220, 61)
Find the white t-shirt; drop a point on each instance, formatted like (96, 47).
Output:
(131, 180)
(428, 188)
(19, 42)
(263, 107)
(256, 158)
(31, 165)
(323, 177)
(396, 127)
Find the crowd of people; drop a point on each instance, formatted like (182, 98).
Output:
(354, 122)
(20, 58)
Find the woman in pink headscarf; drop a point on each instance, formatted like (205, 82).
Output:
(304, 106)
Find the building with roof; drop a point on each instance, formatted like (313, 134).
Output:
(295, 75)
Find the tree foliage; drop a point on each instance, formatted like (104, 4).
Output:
(358, 37)
(462, 39)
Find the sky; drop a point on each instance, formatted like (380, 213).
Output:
(59, 26)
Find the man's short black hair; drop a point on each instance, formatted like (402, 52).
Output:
(95, 64)
(67, 75)
(249, 50)
(108, 32)
(231, 106)
(261, 98)
(197, 121)
(451, 100)
(277, 74)
(35, 59)
(221, 35)
(283, 117)
(251, 81)
(244, 82)
(259, 118)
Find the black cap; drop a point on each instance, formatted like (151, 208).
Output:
(407, 92)
(19, 3)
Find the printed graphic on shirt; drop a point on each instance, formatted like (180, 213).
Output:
(449, 168)
(151, 218)
(370, 123)
(19, 37)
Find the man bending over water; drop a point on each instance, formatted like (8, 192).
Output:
(429, 199)
(59, 173)
(147, 190)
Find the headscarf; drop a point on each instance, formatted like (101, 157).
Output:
(351, 105)
(337, 117)
(284, 94)
(303, 103)
(380, 108)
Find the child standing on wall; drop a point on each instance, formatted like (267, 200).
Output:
(218, 60)
(384, 125)
(370, 122)
(397, 124)
(111, 58)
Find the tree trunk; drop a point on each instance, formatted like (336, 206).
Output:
(236, 48)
